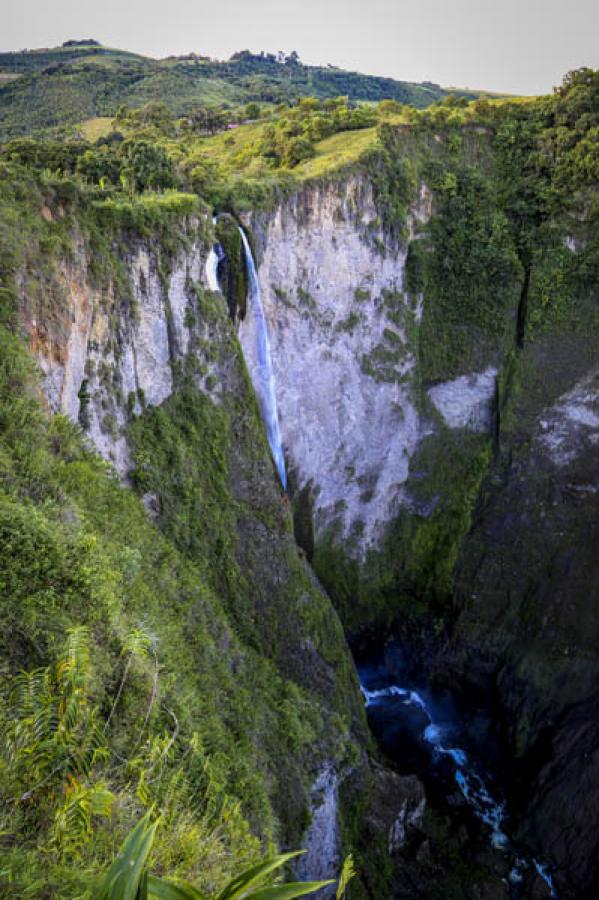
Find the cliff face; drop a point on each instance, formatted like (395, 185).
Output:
(119, 341)
(344, 340)
(146, 359)
(480, 465)
(527, 628)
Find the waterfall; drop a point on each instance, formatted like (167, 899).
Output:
(262, 373)
(214, 257)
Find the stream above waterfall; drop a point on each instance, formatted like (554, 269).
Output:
(423, 733)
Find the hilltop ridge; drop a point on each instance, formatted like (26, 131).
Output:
(47, 87)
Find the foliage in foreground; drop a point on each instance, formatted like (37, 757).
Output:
(128, 878)
(158, 699)
(54, 755)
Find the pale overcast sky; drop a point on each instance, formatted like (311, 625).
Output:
(520, 46)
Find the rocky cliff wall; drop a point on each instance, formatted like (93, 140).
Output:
(344, 341)
(118, 341)
(144, 357)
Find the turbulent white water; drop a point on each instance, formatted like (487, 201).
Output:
(470, 783)
(214, 257)
(262, 372)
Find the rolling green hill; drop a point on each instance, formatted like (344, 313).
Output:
(69, 84)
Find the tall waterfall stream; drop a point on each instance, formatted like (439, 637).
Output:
(262, 371)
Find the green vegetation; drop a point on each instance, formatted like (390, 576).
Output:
(149, 150)
(128, 876)
(471, 279)
(232, 273)
(69, 84)
(182, 686)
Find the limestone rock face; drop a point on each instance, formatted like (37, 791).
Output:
(571, 425)
(466, 402)
(343, 352)
(118, 346)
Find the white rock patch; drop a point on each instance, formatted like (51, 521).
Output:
(321, 859)
(572, 423)
(466, 402)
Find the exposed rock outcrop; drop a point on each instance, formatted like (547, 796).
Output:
(344, 345)
(322, 841)
(528, 628)
(118, 342)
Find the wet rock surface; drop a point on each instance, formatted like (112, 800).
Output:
(526, 636)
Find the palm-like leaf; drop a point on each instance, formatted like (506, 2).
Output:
(170, 890)
(347, 873)
(126, 879)
(240, 885)
(286, 891)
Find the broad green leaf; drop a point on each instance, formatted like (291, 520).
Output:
(240, 885)
(168, 890)
(287, 891)
(124, 878)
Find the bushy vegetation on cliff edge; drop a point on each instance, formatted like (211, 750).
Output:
(196, 696)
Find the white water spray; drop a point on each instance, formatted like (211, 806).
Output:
(470, 783)
(262, 373)
(214, 257)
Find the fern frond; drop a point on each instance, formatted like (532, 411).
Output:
(138, 643)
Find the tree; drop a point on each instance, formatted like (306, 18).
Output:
(295, 150)
(99, 164)
(252, 111)
(389, 108)
(147, 166)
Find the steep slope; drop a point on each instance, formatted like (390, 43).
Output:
(254, 687)
(434, 330)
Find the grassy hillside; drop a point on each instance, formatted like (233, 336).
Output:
(68, 84)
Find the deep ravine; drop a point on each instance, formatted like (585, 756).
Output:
(421, 732)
